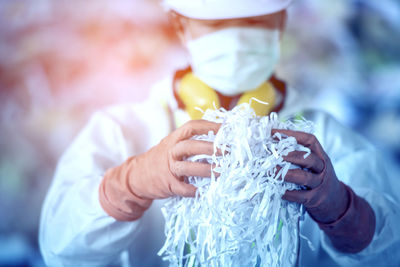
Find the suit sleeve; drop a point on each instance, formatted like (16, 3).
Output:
(74, 228)
(358, 164)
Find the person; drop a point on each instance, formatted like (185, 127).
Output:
(103, 207)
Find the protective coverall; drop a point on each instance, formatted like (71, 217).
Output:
(76, 231)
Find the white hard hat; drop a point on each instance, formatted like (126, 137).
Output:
(225, 9)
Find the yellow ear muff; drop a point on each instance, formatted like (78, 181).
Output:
(265, 93)
(195, 93)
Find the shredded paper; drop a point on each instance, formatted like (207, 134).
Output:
(239, 217)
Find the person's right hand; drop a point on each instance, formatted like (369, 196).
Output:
(129, 189)
(160, 172)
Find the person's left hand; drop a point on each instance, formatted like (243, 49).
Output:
(347, 219)
(325, 197)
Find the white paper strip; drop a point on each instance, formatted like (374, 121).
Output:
(239, 218)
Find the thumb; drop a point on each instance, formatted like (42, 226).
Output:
(183, 189)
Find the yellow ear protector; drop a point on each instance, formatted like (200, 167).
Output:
(196, 95)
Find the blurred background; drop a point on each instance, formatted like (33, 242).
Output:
(62, 60)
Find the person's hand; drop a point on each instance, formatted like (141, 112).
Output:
(129, 189)
(346, 218)
(160, 172)
(325, 197)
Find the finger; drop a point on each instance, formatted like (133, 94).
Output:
(183, 189)
(299, 196)
(301, 177)
(305, 139)
(196, 127)
(216, 174)
(312, 161)
(187, 148)
(185, 168)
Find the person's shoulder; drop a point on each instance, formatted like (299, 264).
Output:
(154, 105)
(151, 115)
(162, 92)
(335, 135)
(319, 116)
(119, 110)
(295, 101)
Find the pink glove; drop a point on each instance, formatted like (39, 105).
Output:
(346, 218)
(128, 190)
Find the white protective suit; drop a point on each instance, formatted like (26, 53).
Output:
(76, 231)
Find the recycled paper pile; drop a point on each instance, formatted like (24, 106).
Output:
(238, 218)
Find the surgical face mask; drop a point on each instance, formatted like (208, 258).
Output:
(235, 60)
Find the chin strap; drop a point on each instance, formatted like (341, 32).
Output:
(191, 94)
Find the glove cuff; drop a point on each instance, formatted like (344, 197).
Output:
(117, 199)
(354, 230)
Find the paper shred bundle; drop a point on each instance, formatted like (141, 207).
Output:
(239, 218)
